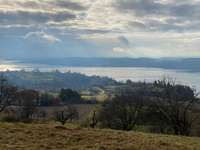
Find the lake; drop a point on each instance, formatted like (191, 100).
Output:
(119, 73)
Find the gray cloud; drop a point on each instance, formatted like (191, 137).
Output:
(36, 12)
(69, 4)
(51, 4)
(139, 7)
(24, 17)
(162, 16)
(153, 7)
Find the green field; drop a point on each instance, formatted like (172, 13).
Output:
(52, 136)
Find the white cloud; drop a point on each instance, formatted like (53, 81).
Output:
(119, 50)
(42, 36)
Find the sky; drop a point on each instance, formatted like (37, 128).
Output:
(99, 28)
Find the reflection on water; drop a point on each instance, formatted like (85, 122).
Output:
(11, 65)
(118, 73)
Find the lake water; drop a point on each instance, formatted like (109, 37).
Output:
(119, 73)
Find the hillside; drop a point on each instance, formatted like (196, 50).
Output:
(55, 80)
(51, 136)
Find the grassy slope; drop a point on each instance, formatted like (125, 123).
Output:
(41, 136)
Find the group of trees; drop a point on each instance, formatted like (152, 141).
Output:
(15, 100)
(177, 106)
(7, 93)
(68, 96)
(12, 95)
(164, 106)
(65, 96)
(21, 104)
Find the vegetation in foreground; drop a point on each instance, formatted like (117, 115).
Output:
(51, 136)
(171, 108)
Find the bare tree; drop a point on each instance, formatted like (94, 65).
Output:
(68, 113)
(122, 112)
(7, 93)
(176, 104)
(27, 100)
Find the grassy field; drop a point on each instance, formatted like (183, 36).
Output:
(52, 136)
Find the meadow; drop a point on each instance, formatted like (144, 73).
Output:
(21, 136)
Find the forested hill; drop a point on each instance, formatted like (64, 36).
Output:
(55, 80)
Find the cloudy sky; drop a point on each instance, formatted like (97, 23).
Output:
(99, 28)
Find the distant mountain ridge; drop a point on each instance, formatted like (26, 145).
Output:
(187, 64)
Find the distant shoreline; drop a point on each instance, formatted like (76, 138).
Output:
(123, 74)
(181, 64)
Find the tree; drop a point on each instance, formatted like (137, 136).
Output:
(175, 105)
(69, 96)
(46, 99)
(69, 113)
(7, 93)
(27, 100)
(122, 112)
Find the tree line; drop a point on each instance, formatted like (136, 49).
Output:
(22, 104)
(12, 95)
(55, 80)
(161, 107)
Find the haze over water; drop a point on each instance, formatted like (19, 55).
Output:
(118, 73)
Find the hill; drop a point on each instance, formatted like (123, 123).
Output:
(55, 80)
(51, 136)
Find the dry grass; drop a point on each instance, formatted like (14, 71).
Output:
(51, 136)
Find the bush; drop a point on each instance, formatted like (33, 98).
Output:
(10, 118)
